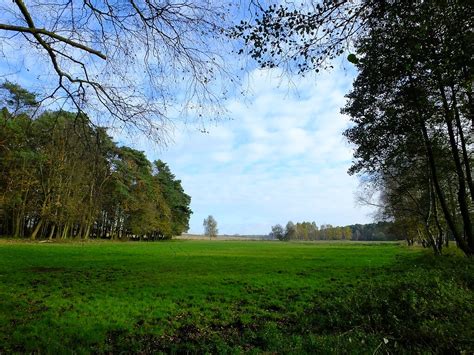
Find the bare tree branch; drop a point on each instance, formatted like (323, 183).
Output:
(127, 62)
(42, 31)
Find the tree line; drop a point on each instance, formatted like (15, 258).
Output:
(61, 177)
(411, 105)
(310, 231)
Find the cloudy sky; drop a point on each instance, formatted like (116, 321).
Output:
(281, 156)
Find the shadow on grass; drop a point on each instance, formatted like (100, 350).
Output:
(406, 302)
(421, 303)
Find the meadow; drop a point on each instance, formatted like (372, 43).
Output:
(233, 297)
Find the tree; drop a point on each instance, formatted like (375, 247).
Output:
(122, 58)
(173, 192)
(290, 231)
(412, 111)
(17, 99)
(302, 230)
(61, 177)
(346, 233)
(412, 103)
(277, 232)
(210, 227)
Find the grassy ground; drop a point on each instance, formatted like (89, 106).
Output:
(234, 297)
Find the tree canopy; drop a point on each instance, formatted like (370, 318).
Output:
(61, 177)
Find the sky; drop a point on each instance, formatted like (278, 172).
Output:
(280, 156)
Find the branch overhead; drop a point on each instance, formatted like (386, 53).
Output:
(127, 61)
(53, 35)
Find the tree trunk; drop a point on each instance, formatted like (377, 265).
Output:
(465, 156)
(432, 210)
(59, 230)
(65, 231)
(36, 230)
(434, 174)
(16, 225)
(88, 230)
(51, 233)
(81, 230)
(435, 215)
(468, 93)
(462, 200)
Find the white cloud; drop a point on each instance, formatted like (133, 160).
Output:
(282, 157)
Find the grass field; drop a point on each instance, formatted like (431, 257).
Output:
(200, 296)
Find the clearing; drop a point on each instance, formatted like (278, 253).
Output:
(233, 296)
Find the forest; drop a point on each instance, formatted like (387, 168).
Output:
(62, 177)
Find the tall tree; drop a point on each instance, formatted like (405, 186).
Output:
(175, 196)
(16, 98)
(290, 231)
(62, 177)
(402, 114)
(278, 232)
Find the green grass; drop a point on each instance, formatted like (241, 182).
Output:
(200, 296)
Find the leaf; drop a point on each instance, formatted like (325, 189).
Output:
(352, 58)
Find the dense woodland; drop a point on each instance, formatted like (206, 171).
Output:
(62, 177)
(411, 105)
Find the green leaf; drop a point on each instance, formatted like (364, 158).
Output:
(352, 58)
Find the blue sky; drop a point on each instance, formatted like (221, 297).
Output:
(280, 156)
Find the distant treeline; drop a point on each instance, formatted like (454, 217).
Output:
(310, 231)
(375, 231)
(62, 177)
